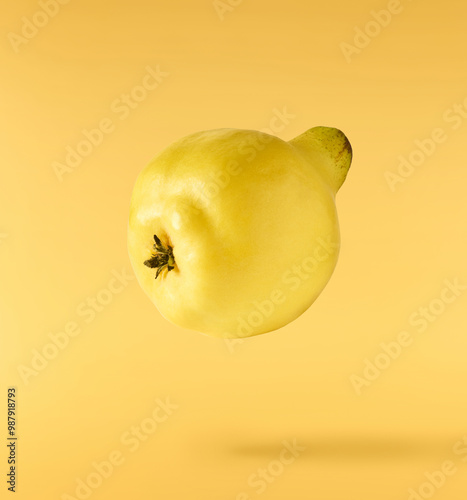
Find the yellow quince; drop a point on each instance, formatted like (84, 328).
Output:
(234, 233)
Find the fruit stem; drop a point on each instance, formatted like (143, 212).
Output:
(162, 257)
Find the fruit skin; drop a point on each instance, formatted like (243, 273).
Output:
(252, 223)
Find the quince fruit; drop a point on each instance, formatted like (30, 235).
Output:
(234, 233)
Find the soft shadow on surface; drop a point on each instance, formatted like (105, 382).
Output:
(338, 448)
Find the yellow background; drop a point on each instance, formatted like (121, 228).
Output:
(61, 241)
